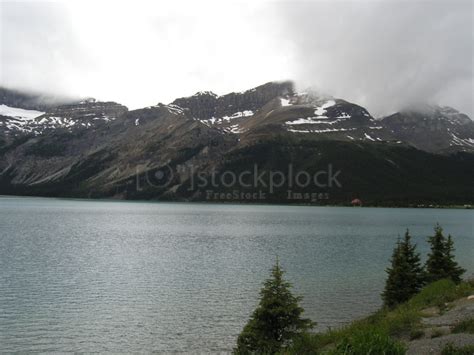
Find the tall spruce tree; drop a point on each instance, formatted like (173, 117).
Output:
(405, 275)
(441, 263)
(277, 319)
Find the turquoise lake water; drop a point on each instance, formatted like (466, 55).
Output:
(138, 277)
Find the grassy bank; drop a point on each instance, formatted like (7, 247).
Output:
(387, 331)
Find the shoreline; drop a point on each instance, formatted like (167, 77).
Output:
(246, 203)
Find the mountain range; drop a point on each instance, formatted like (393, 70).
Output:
(53, 146)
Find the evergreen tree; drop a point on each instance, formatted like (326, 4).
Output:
(416, 273)
(455, 271)
(441, 263)
(435, 264)
(277, 319)
(405, 276)
(393, 293)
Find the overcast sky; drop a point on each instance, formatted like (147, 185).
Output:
(381, 54)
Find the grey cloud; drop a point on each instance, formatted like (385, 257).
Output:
(39, 51)
(384, 55)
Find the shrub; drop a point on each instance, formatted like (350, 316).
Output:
(371, 340)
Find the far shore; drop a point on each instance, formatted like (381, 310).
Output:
(249, 203)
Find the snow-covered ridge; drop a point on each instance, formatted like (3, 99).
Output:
(41, 124)
(336, 117)
(19, 112)
(206, 93)
(84, 115)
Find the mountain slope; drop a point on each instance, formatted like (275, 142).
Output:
(377, 173)
(101, 149)
(277, 108)
(433, 129)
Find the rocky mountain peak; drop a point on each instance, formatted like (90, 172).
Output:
(433, 128)
(207, 105)
(206, 93)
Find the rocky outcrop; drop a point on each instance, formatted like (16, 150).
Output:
(86, 114)
(438, 329)
(205, 105)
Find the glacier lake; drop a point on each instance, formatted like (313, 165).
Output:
(116, 276)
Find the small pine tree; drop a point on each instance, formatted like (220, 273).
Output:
(455, 271)
(435, 264)
(393, 293)
(277, 319)
(405, 276)
(416, 273)
(441, 263)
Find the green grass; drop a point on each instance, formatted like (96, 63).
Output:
(380, 331)
(466, 326)
(371, 340)
(451, 349)
(439, 293)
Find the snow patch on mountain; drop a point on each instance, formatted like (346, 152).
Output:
(175, 109)
(19, 112)
(369, 137)
(327, 130)
(460, 141)
(321, 110)
(284, 102)
(312, 120)
(224, 121)
(239, 114)
(235, 128)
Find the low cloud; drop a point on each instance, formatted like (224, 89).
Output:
(384, 55)
(381, 54)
